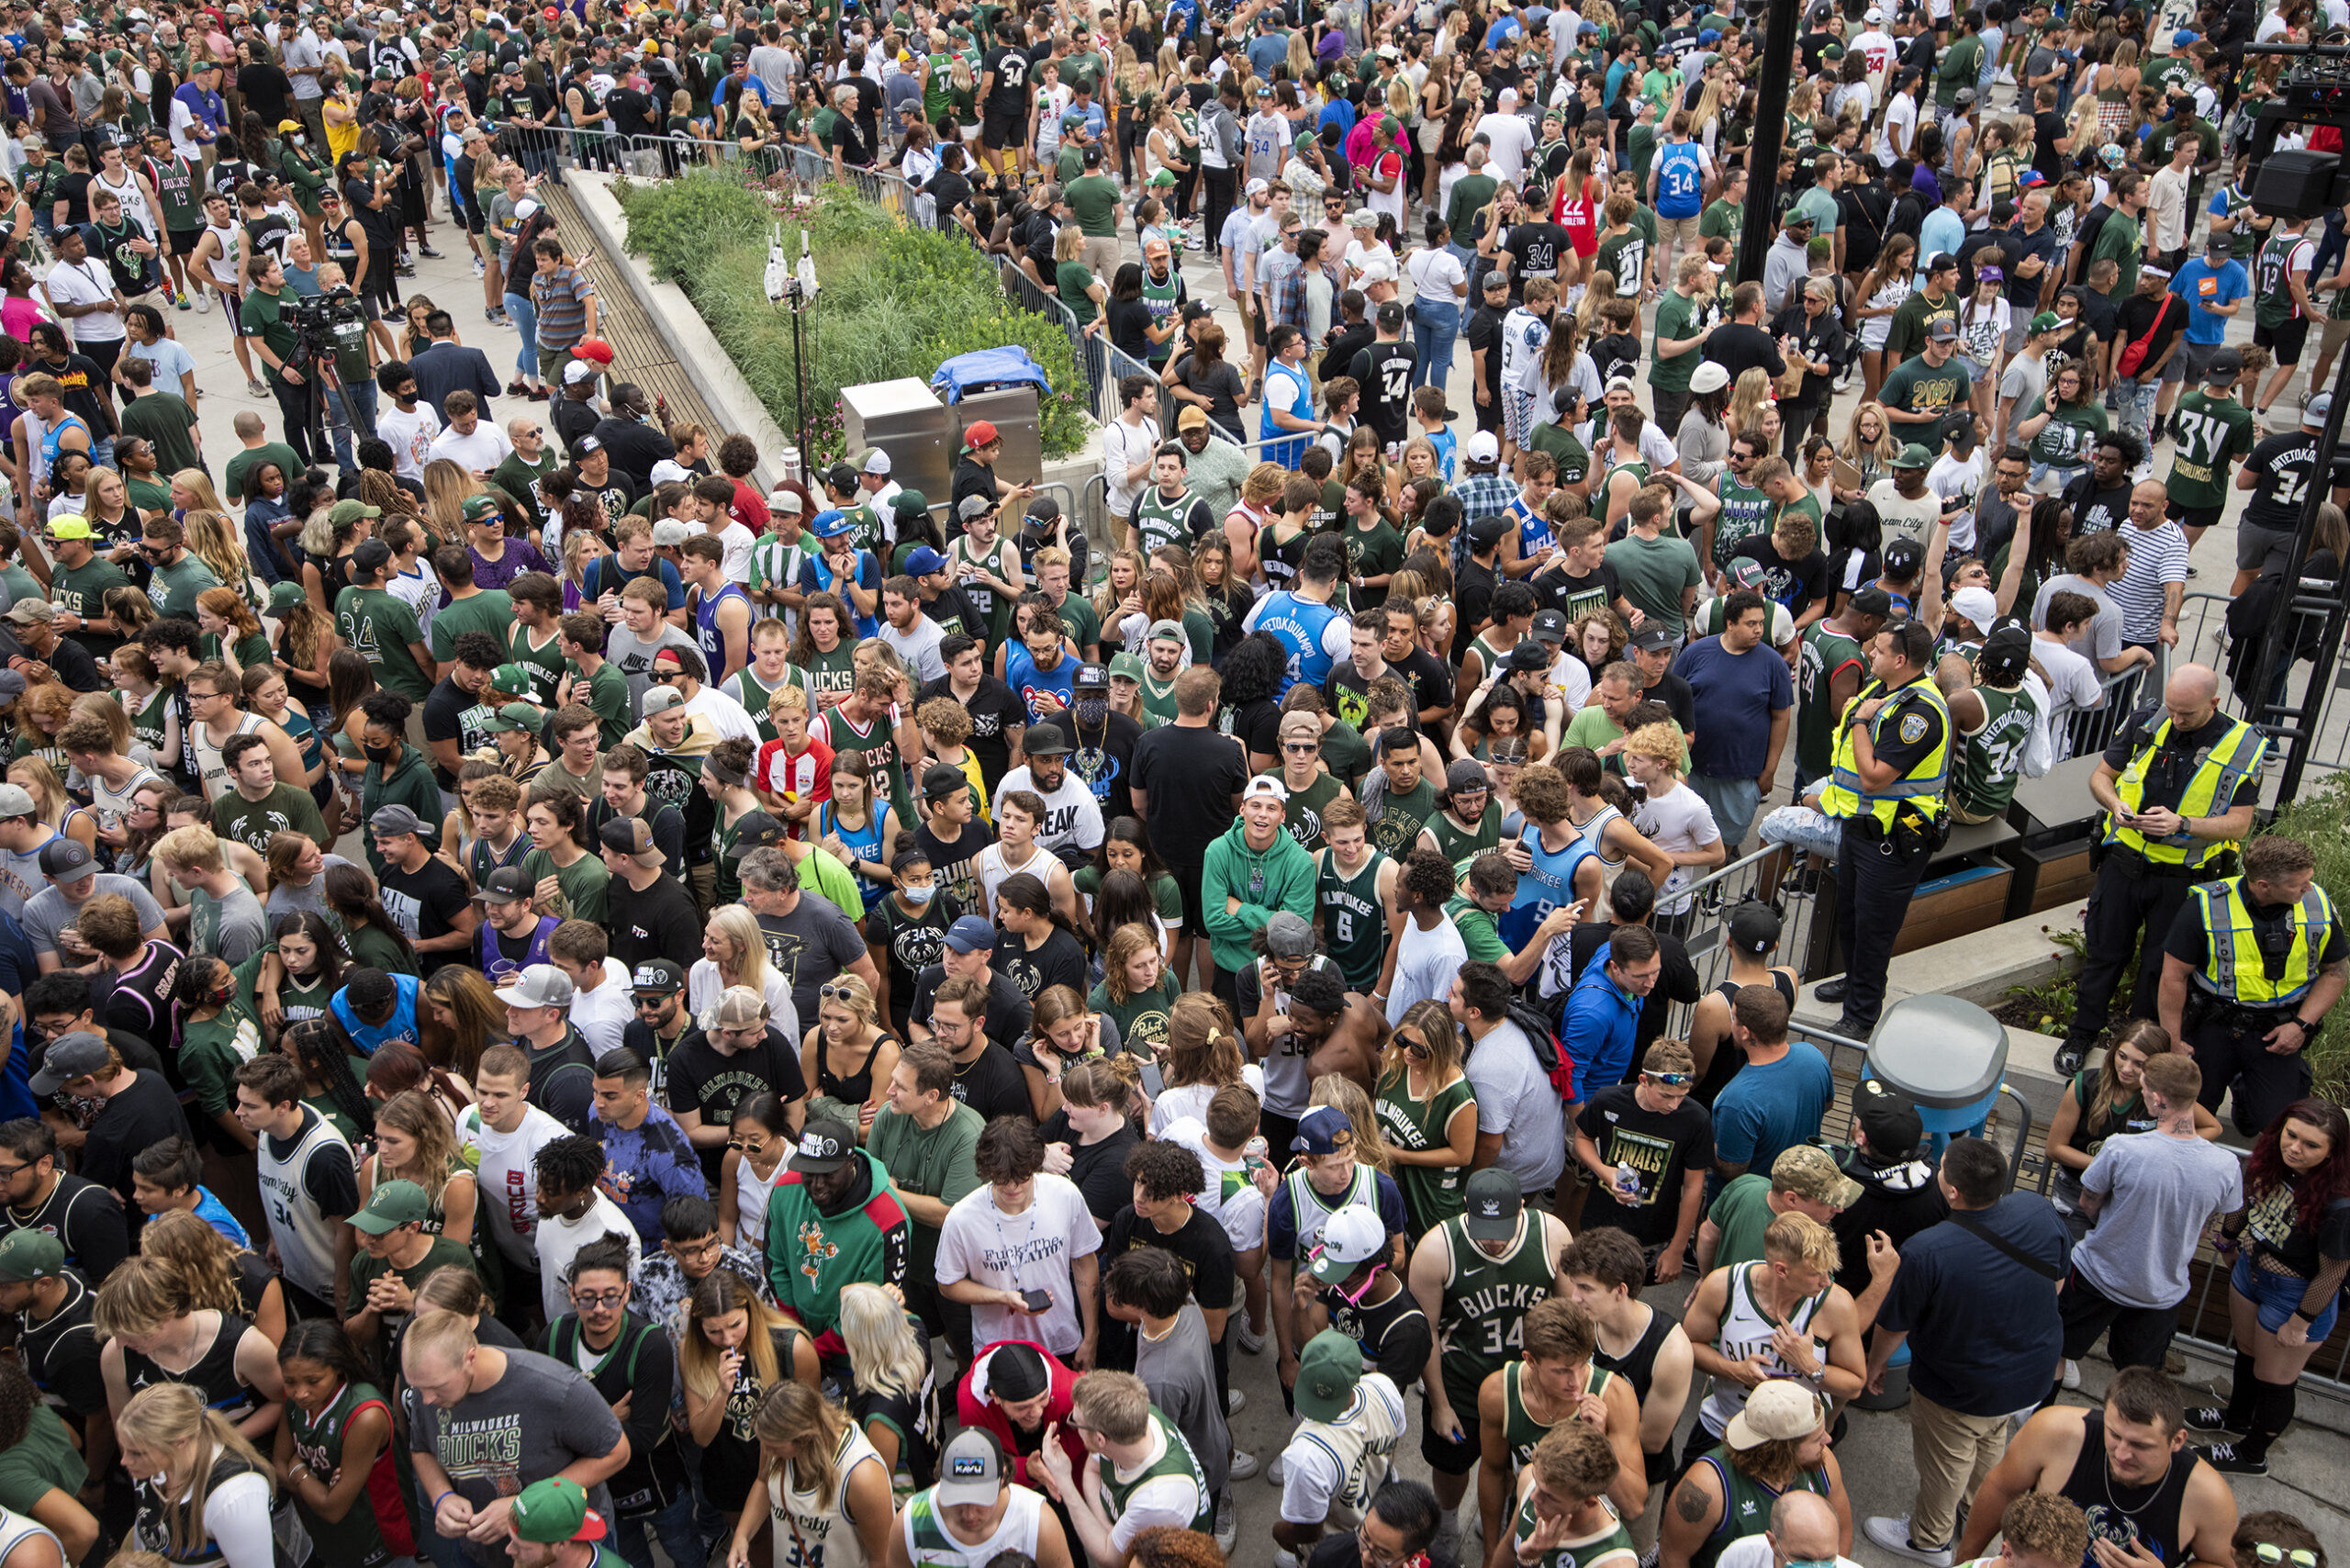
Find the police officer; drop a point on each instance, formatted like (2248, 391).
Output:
(2179, 785)
(1891, 767)
(2252, 966)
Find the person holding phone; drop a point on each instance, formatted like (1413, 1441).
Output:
(1020, 1251)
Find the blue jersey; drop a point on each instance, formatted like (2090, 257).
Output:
(1299, 623)
(1551, 884)
(1680, 180)
(1534, 533)
(1300, 405)
(1020, 673)
(816, 576)
(400, 1025)
(711, 640)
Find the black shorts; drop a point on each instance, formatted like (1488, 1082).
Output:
(235, 305)
(183, 241)
(2283, 342)
(1449, 1458)
(1194, 916)
(2195, 517)
(475, 222)
(1001, 132)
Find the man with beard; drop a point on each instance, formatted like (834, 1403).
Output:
(809, 940)
(1072, 820)
(1102, 757)
(834, 1219)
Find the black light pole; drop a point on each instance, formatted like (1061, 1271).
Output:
(1770, 126)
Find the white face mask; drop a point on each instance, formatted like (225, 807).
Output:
(919, 895)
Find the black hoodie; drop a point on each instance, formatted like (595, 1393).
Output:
(1900, 1199)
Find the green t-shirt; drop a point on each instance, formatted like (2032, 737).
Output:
(1673, 313)
(365, 1270)
(287, 808)
(2122, 243)
(82, 590)
(1741, 1213)
(1370, 553)
(161, 416)
(490, 610)
(211, 1051)
(1480, 933)
(935, 1163)
(1080, 622)
(1075, 278)
(1918, 387)
(173, 588)
(2213, 434)
(1469, 194)
(1093, 202)
(379, 627)
(520, 480)
(580, 885)
(1652, 574)
(1960, 66)
(1723, 219)
(263, 316)
(2065, 440)
(45, 1458)
(1142, 1017)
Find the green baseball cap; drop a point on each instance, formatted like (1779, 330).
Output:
(394, 1204)
(1329, 1369)
(553, 1511)
(481, 509)
(352, 512)
(512, 717)
(2046, 321)
(1913, 456)
(30, 1255)
(513, 679)
(1125, 666)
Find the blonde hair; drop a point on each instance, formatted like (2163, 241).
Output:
(164, 1417)
(720, 1292)
(195, 846)
(200, 1258)
(1796, 1237)
(141, 1295)
(792, 1415)
(1660, 742)
(421, 1118)
(852, 992)
(740, 926)
(198, 483)
(1125, 943)
(1344, 1093)
(1201, 1045)
(212, 539)
(884, 1355)
(1747, 399)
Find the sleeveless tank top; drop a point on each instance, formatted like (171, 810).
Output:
(1520, 1431)
(223, 267)
(212, 774)
(750, 1196)
(853, 1087)
(1637, 1366)
(1746, 1504)
(495, 965)
(2123, 1514)
(1746, 1331)
(812, 1530)
(304, 1239)
(929, 1544)
(1354, 924)
(16, 1529)
(1728, 1058)
(1549, 885)
(707, 634)
(212, 1374)
(153, 1529)
(361, 1537)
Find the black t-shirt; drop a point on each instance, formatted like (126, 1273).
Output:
(2156, 321)
(2096, 511)
(948, 190)
(1384, 371)
(85, 1218)
(1008, 1017)
(1484, 333)
(951, 863)
(1098, 1170)
(1105, 758)
(705, 1079)
(266, 90)
(1797, 584)
(992, 1084)
(633, 112)
(1472, 597)
(1429, 680)
(1678, 699)
(1129, 325)
(1534, 251)
(2047, 126)
(138, 1118)
(73, 190)
(1256, 725)
(1570, 595)
(1189, 776)
(659, 922)
(1740, 346)
(1200, 1245)
(1060, 961)
(424, 903)
(1660, 1148)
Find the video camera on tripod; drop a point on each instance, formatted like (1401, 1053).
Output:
(315, 317)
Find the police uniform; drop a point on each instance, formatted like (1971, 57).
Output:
(2145, 882)
(1887, 834)
(2252, 967)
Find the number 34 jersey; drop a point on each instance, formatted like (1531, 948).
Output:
(1486, 1299)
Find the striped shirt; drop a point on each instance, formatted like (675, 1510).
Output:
(2157, 559)
(561, 299)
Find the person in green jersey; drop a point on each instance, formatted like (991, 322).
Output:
(1143, 1472)
(1747, 509)
(1469, 821)
(1401, 796)
(1829, 669)
(337, 1427)
(379, 626)
(1725, 218)
(1995, 718)
(1476, 1276)
(1544, 1390)
(1353, 892)
(2213, 433)
(1312, 790)
(1427, 1114)
(1777, 1444)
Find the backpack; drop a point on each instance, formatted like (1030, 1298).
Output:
(1541, 1030)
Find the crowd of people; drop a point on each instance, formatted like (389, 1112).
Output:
(913, 986)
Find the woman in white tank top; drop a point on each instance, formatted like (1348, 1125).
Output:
(827, 1490)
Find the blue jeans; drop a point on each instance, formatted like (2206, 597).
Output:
(2136, 399)
(1433, 327)
(675, 1527)
(358, 407)
(525, 318)
(2278, 1297)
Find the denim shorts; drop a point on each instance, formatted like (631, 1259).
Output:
(2279, 1296)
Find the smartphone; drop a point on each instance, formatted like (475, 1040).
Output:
(1154, 1082)
(1038, 1301)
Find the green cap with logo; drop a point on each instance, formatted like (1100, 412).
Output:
(512, 717)
(394, 1204)
(30, 1255)
(513, 681)
(1329, 1369)
(553, 1511)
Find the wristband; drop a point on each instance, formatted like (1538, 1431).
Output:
(443, 1498)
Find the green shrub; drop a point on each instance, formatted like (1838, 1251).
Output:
(2318, 817)
(896, 300)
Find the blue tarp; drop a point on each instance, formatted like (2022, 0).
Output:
(989, 367)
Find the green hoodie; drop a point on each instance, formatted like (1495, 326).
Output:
(1281, 877)
(407, 782)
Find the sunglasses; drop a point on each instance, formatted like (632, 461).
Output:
(837, 994)
(1672, 1080)
(1412, 1044)
(2300, 1557)
(1302, 748)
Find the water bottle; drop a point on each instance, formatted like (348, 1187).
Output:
(1627, 1180)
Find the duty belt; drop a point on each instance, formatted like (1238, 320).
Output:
(2137, 863)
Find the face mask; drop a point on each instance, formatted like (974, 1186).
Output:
(378, 753)
(919, 895)
(1091, 710)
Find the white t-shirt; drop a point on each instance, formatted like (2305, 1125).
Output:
(1677, 822)
(601, 1015)
(1956, 483)
(1903, 517)
(1901, 109)
(703, 984)
(1509, 137)
(480, 451)
(88, 284)
(1026, 1251)
(2073, 682)
(1071, 813)
(918, 646)
(1231, 1198)
(1433, 276)
(502, 1164)
(410, 433)
(1425, 962)
(559, 1242)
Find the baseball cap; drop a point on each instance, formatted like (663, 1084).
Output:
(2182, 38)
(1976, 604)
(1353, 1237)
(1265, 787)
(942, 780)
(1191, 419)
(629, 837)
(392, 1205)
(1488, 530)
(1493, 1205)
(1089, 677)
(2046, 321)
(737, 1007)
(1550, 626)
(1888, 1118)
(576, 372)
(1324, 1129)
(2225, 365)
(1043, 740)
(1125, 666)
(971, 1468)
(392, 819)
(69, 527)
(30, 1255)
(1943, 262)
(1809, 1171)
(373, 556)
(1754, 926)
(971, 934)
(505, 885)
(824, 1146)
(552, 1511)
(512, 681)
(1903, 556)
(668, 533)
(1527, 655)
(1257, 187)
(925, 561)
(1651, 639)
(66, 859)
(660, 699)
(1913, 455)
(2319, 406)
(659, 975)
(979, 433)
(1942, 330)
(1465, 776)
(540, 985)
(1779, 1410)
(1482, 447)
(1168, 631)
(1288, 935)
(1329, 1369)
(69, 1057)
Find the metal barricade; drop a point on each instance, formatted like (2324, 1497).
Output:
(1848, 1060)
(1699, 915)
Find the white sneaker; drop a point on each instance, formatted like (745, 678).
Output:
(1251, 1341)
(1244, 1464)
(2072, 1378)
(1893, 1534)
(1227, 1525)
(1234, 1402)
(1274, 1474)
(478, 268)
(203, 300)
